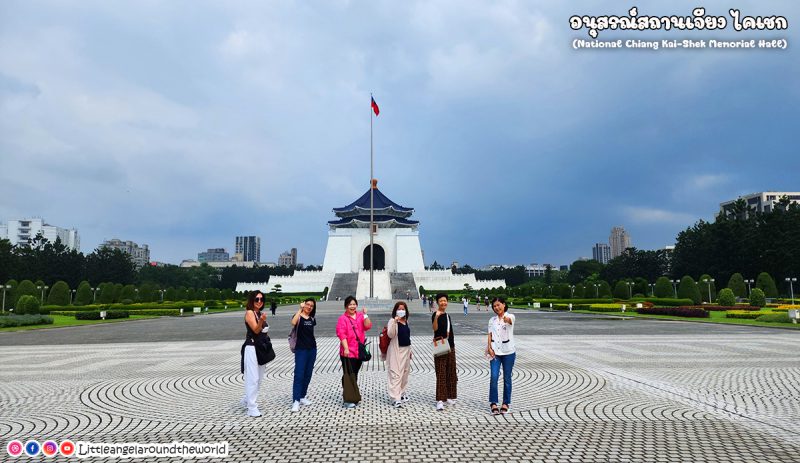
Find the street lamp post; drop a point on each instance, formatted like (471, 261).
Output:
(572, 291)
(630, 289)
(5, 288)
(791, 287)
(162, 294)
(43, 288)
(71, 296)
(675, 287)
(748, 286)
(708, 282)
(94, 295)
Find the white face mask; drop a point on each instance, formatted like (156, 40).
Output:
(401, 313)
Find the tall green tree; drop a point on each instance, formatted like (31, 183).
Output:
(765, 283)
(59, 294)
(621, 290)
(581, 270)
(688, 290)
(84, 294)
(737, 285)
(664, 288)
(106, 264)
(25, 288)
(128, 294)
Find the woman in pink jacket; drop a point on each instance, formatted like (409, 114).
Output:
(350, 329)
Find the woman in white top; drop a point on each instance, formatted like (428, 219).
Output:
(500, 349)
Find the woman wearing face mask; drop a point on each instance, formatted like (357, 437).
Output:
(351, 329)
(398, 356)
(256, 323)
(502, 352)
(305, 352)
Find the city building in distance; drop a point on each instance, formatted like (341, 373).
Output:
(619, 241)
(760, 202)
(288, 258)
(140, 255)
(601, 252)
(213, 255)
(249, 247)
(23, 230)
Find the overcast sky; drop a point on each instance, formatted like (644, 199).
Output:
(183, 124)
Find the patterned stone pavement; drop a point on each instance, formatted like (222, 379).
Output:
(583, 399)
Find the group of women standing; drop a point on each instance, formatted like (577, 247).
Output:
(351, 329)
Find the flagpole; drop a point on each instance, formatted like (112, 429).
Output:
(371, 203)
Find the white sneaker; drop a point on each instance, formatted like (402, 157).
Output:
(440, 405)
(349, 405)
(254, 413)
(305, 402)
(404, 398)
(295, 407)
(398, 404)
(451, 401)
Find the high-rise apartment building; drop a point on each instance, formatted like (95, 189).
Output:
(249, 247)
(601, 252)
(619, 241)
(140, 255)
(288, 258)
(213, 255)
(22, 230)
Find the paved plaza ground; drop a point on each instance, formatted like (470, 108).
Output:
(586, 389)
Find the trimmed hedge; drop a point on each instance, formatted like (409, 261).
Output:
(774, 318)
(676, 311)
(744, 314)
(665, 302)
(161, 312)
(110, 314)
(25, 320)
(721, 308)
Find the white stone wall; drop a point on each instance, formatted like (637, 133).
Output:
(345, 250)
(446, 280)
(301, 282)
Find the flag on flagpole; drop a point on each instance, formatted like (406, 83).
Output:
(375, 108)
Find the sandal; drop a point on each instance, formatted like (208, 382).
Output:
(495, 410)
(504, 409)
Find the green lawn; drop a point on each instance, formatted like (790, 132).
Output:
(714, 317)
(65, 320)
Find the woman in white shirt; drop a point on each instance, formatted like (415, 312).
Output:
(501, 350)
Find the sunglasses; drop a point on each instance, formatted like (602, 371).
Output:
(259, 299)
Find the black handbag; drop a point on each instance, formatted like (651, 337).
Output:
(264, 351)
(363, 350)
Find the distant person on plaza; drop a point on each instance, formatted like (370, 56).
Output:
(256, 323)
(273, 305)
(305, 353)
(351, 328)
(398, 357)
(502, 352)
(486, 300)
(430, 304)
(465, 301)
(424, 301)
(445, 365)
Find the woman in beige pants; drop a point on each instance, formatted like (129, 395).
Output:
(398, 357)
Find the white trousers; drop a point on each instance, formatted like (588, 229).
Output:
(253, 373)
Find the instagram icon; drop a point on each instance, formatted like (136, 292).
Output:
(49, 448)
